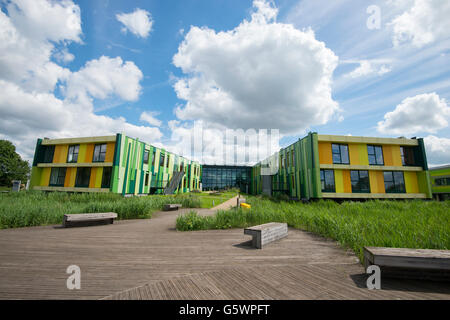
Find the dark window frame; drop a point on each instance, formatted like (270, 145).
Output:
(48, 154)
(60, 177)
(99, 156)
(397, 185)
(106, 181)
(153, 157)
(340, 153)
(407, 155)
(78, 183)
(71, 152)
(358, 186)
(324, 183)
(146, 156)
(374, 154)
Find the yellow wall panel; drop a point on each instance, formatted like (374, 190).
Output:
(93, 177)
(98, 179)
(56, 154)
(73, 176)
(373, 182)
(380, 181)
(67, 178)
(63, 154)
(45, 177)
(110, 152)
(396, 156)
(353, 150)
(89, 153)
(411, 183)
(346, 181)
(363, 155)
(82, 153)
(325, 156)
(338, 180)
(387, 155)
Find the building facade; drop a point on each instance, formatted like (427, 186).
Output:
(440, 182)
(223, 177)
(347, 167)
(118, 164)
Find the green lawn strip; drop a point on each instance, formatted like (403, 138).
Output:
(403, 224)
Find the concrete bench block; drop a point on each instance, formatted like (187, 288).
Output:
(172, 206)
(266, 233)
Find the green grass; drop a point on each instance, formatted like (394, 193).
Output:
(210, 200)
(4, 188)
(33, 208)
(403, 224)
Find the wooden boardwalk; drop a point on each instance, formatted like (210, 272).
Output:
(149, 259)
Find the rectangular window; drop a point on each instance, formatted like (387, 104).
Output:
(106, 178)
(293, 182)
(287, 159)
(153, 157)
(161, 160)
(394, 182)
(99, 153)
(72, 154)
(340, 153)
(147, 177)
(442, 181)
(48, 153)
(375, 154)
(360, 181)
(83, 177)
(407, 154)
(327, 180)
(146, 152)
(292, 156)
(57, 177)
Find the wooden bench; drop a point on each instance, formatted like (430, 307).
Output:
(172, 206)
(85, 219)
(409, 263)
(266, 233)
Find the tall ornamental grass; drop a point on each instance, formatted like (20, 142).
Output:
(34, 208)
(403, 224)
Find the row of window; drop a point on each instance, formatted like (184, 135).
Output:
(72, 154)
(288, 160)
(374, 153)
(394, 181)
(442, 181)
(162, 159)
(58, 176)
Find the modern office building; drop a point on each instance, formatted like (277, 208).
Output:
(346, 167)
(224, 177)
(440, 182)
(314, 167)
(117, 163)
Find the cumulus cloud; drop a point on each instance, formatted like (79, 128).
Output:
(261, 74)
(438, 150)
(32, 32)
(421, 113)
(424, 22)
(150, 118)
(139, 22)
(367, 67)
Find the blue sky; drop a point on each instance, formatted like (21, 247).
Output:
(292, 65)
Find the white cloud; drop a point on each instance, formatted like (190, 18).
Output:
(262, 74)
(438, 149)
(139, 22)
(150, 118)
(424, 22)
(367, 67)
(30, 34)
(100, 78)
(421, 113)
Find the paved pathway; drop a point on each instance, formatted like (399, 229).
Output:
(149, 259)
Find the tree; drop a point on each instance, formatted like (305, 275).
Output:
(12, 167)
